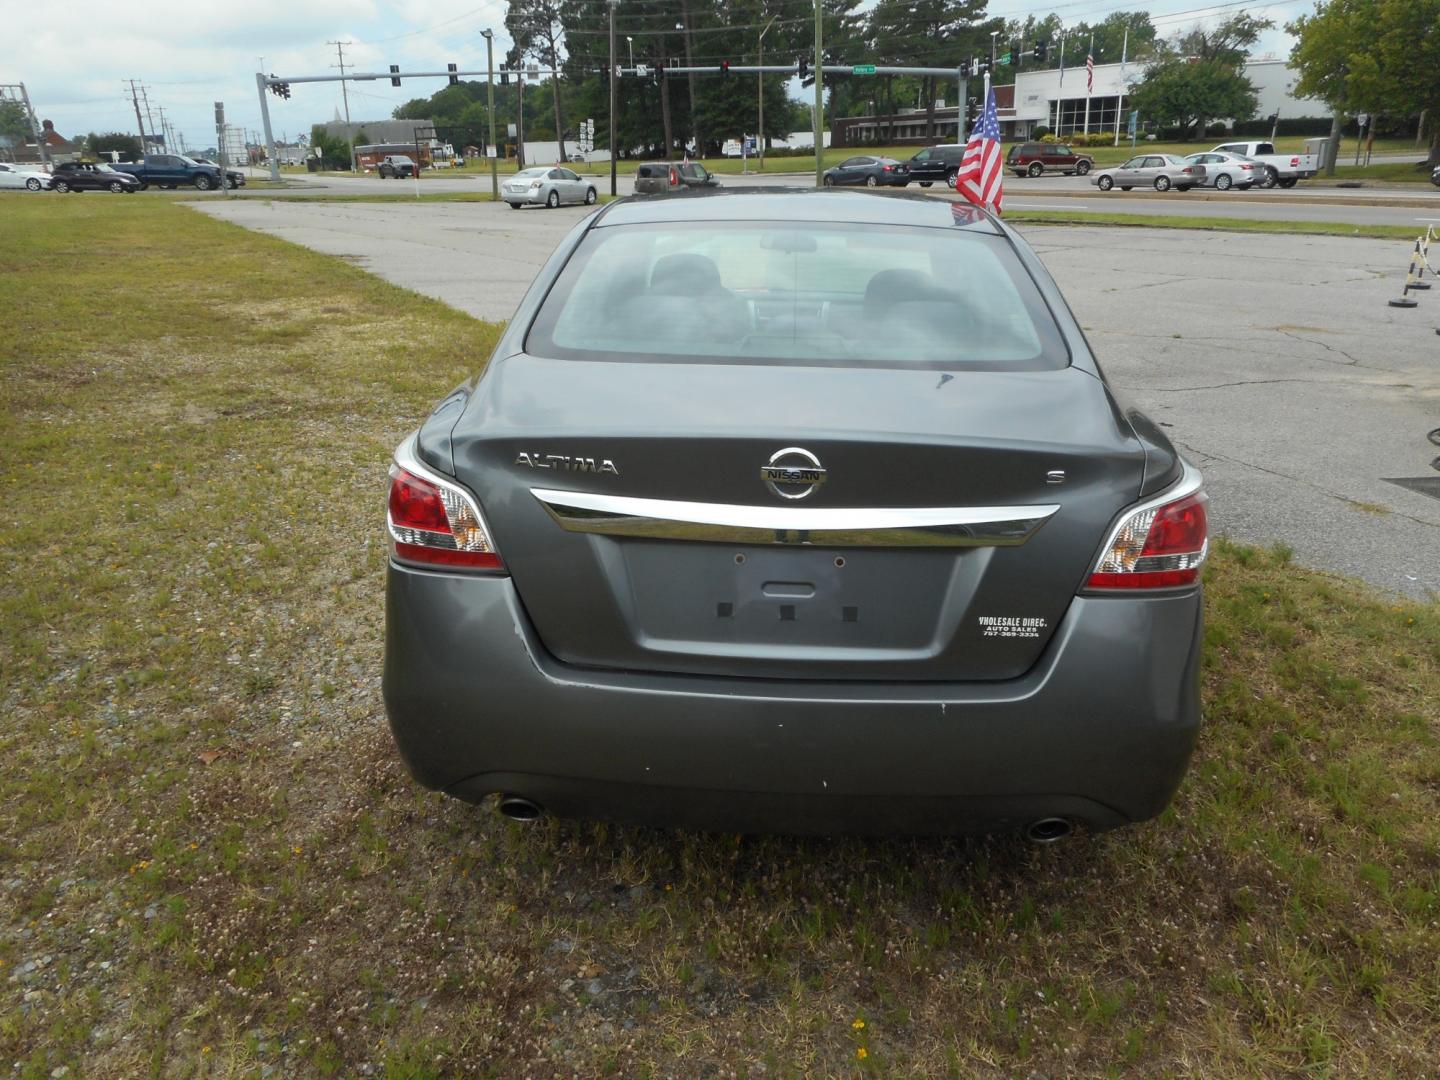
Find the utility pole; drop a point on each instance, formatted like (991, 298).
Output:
(494, 149)
(684, 25)
(819, 100)
(345, 96)
(520, 116)
(139, 121)
(760, 93)
(145, 97)
(613, 80)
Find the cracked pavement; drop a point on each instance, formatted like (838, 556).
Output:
(1276, 364)
(1272, 360)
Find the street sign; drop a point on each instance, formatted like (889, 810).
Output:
(1134, 116)
(863, 69)
(1005, 58)
(749, 144)
(1362, 119)
(511, 132)
(641, 70)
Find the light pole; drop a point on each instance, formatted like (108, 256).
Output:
(630, 44)
(760, 94)
(993, 33)
(493, 150)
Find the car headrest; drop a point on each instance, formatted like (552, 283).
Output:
(895, 286)
(685, 274)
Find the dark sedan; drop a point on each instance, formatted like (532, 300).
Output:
(233, 179)
(796, 511)
(83, 176)
(867, 170)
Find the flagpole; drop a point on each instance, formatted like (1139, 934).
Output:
(1089, 79)
(1120, 103)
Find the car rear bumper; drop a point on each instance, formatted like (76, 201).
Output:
(523, 198)
(1100, 732)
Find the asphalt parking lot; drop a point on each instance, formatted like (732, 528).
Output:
(1272, 359)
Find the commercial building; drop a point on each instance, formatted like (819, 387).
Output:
(1064, 102)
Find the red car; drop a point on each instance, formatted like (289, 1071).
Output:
(1034, 158)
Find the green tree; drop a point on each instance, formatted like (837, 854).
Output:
(944, 31)
(537, 28)
(1375, 56)
(1229, 40)
(14, 124)
(1190, 92)
(333, 152)
(127, 145)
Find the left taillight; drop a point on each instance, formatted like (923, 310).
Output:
(1160, 544)
(433, 522)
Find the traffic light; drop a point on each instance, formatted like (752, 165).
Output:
(279, 89)
(451, 68)
(972, 111)
(1042, 49)
(393, 69)
(505, 77)
(804, 69)
(724, 69)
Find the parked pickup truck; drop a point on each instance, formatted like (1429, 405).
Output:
(171, 170)
(1282, 169)
(395, 166)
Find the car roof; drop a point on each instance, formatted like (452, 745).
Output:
(767, 204)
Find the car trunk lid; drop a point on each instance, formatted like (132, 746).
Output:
(913, 524)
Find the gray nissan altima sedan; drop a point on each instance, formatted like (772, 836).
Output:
(796, 512)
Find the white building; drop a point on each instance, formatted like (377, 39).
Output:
(1061, 101)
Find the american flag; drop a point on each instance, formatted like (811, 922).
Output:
(1090, 71)
(980, 175)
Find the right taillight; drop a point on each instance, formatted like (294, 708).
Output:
(1158, 545)
(433, 522)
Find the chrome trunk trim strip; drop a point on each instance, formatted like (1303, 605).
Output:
(920, 526)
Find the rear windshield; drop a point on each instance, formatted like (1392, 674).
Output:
(802, 293)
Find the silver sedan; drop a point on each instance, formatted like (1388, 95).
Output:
(1160, 171)
(546, 186)
(1224, 171)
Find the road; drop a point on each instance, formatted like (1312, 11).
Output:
(1273, 360)
(1305, 202)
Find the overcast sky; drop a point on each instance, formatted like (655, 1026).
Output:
(76, 57)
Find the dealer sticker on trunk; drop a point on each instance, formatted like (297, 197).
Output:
(1010, 626)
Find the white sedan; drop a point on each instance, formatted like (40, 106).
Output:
(546, 186)
(19, 176)
(1224, 171)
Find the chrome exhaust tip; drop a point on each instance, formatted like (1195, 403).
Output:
(519, 808)
(1048, 830)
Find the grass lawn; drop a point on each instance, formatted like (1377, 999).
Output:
(212, 863)
(1390, 171)
(1219, 224)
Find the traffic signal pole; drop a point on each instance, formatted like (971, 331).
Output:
(261, 86)
(614, 77)
(819, 99)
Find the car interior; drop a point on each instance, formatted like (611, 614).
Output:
(795, 293)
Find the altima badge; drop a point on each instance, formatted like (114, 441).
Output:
(792, 473)
(567, 463)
